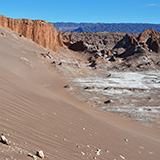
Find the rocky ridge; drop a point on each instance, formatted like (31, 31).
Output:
(39, 31)
(133, 51)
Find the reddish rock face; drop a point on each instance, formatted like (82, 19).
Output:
(151, 38)
(143, 37)
(60, 40)
(39, 31)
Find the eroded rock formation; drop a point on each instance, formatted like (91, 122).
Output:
(93, 41)
(39, 31)
(133, 51)
(151, 38)
(115, 41)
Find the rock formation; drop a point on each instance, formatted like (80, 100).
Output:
(133, 51)
(148, 40)
(39, 31)
(78, 46)
(94, 41)
(143, 37)
(114, 41)
(151, 38)
(127, 42)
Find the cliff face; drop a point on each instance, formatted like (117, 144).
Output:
(39, 31)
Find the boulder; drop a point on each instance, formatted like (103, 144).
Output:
(4, 140)
(40, 154)
(108, 101)
(67, 86)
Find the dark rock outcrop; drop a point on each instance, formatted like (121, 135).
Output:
(155, 45)
(127, 42)
(78, 46)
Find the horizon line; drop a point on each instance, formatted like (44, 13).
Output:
(108, 22)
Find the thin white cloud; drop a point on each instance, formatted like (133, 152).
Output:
(151, 5)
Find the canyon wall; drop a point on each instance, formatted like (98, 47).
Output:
(39, 31)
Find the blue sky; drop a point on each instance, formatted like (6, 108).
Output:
(107, 11)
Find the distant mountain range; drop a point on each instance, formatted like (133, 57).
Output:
(69, 26)
(109, 27)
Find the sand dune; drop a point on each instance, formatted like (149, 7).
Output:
(37, 113)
